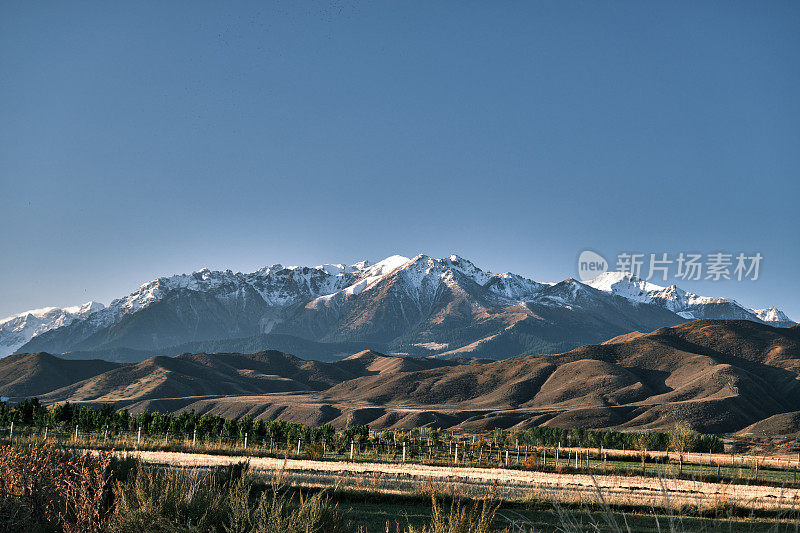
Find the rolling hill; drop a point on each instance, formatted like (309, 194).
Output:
(38, 373)
(719, 375)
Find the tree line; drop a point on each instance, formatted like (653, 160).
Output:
(681, 439)
(30, 412)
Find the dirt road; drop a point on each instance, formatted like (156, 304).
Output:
(512, 485)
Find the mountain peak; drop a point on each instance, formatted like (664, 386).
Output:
(686, 304)
(18, 329)
(622, 282)
(409, 302)
(392, 262)
(773, 316)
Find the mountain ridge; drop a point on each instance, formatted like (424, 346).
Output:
(420, 306)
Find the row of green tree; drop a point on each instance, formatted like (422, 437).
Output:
(681, 439)
(188, 423)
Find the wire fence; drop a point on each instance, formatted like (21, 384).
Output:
(463, 451)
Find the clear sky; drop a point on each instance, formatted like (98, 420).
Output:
(141, 139)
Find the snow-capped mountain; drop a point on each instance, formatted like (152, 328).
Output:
(686, 304)
(774, 317)
(18, 329)
(420, 305)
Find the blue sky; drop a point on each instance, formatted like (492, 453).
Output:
(153, 138)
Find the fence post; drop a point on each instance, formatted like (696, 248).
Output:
(506, 456)
(76, 433)
(404, 451)
(298, 446)
(245, 440)
(351, 449)
(455, 457)
(138, 435)
(194, 437)
(45, 432)
(324, 448)
(105, 434)
(11, 433)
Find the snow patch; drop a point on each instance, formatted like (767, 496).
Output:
(432, 345)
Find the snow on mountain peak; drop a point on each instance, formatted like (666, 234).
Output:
(419, 278)
(628, 286)
(48, 312)
(686, 304)
(18, 329)
(513, 286)
(774, 316)
(393, 262)
(623, 284)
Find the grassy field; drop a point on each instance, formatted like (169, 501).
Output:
(373, 514)
(45, 488)
(514, 485)
(721, 467)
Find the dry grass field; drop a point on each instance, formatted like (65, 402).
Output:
(512, 485)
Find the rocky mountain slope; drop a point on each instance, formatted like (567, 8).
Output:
(18, 329)
(422, 306)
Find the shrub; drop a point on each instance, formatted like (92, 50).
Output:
(46, 489)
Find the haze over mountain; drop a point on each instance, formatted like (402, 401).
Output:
(422, 306)
(717, 375)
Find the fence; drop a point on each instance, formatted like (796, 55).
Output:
(461, 451)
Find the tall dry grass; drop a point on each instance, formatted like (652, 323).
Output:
(475, 517)
(46, 489)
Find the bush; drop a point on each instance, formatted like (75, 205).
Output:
(43, 489)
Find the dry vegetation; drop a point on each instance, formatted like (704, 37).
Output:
(44, 489)
(512, 485)
(721, 376)
(47, 489)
